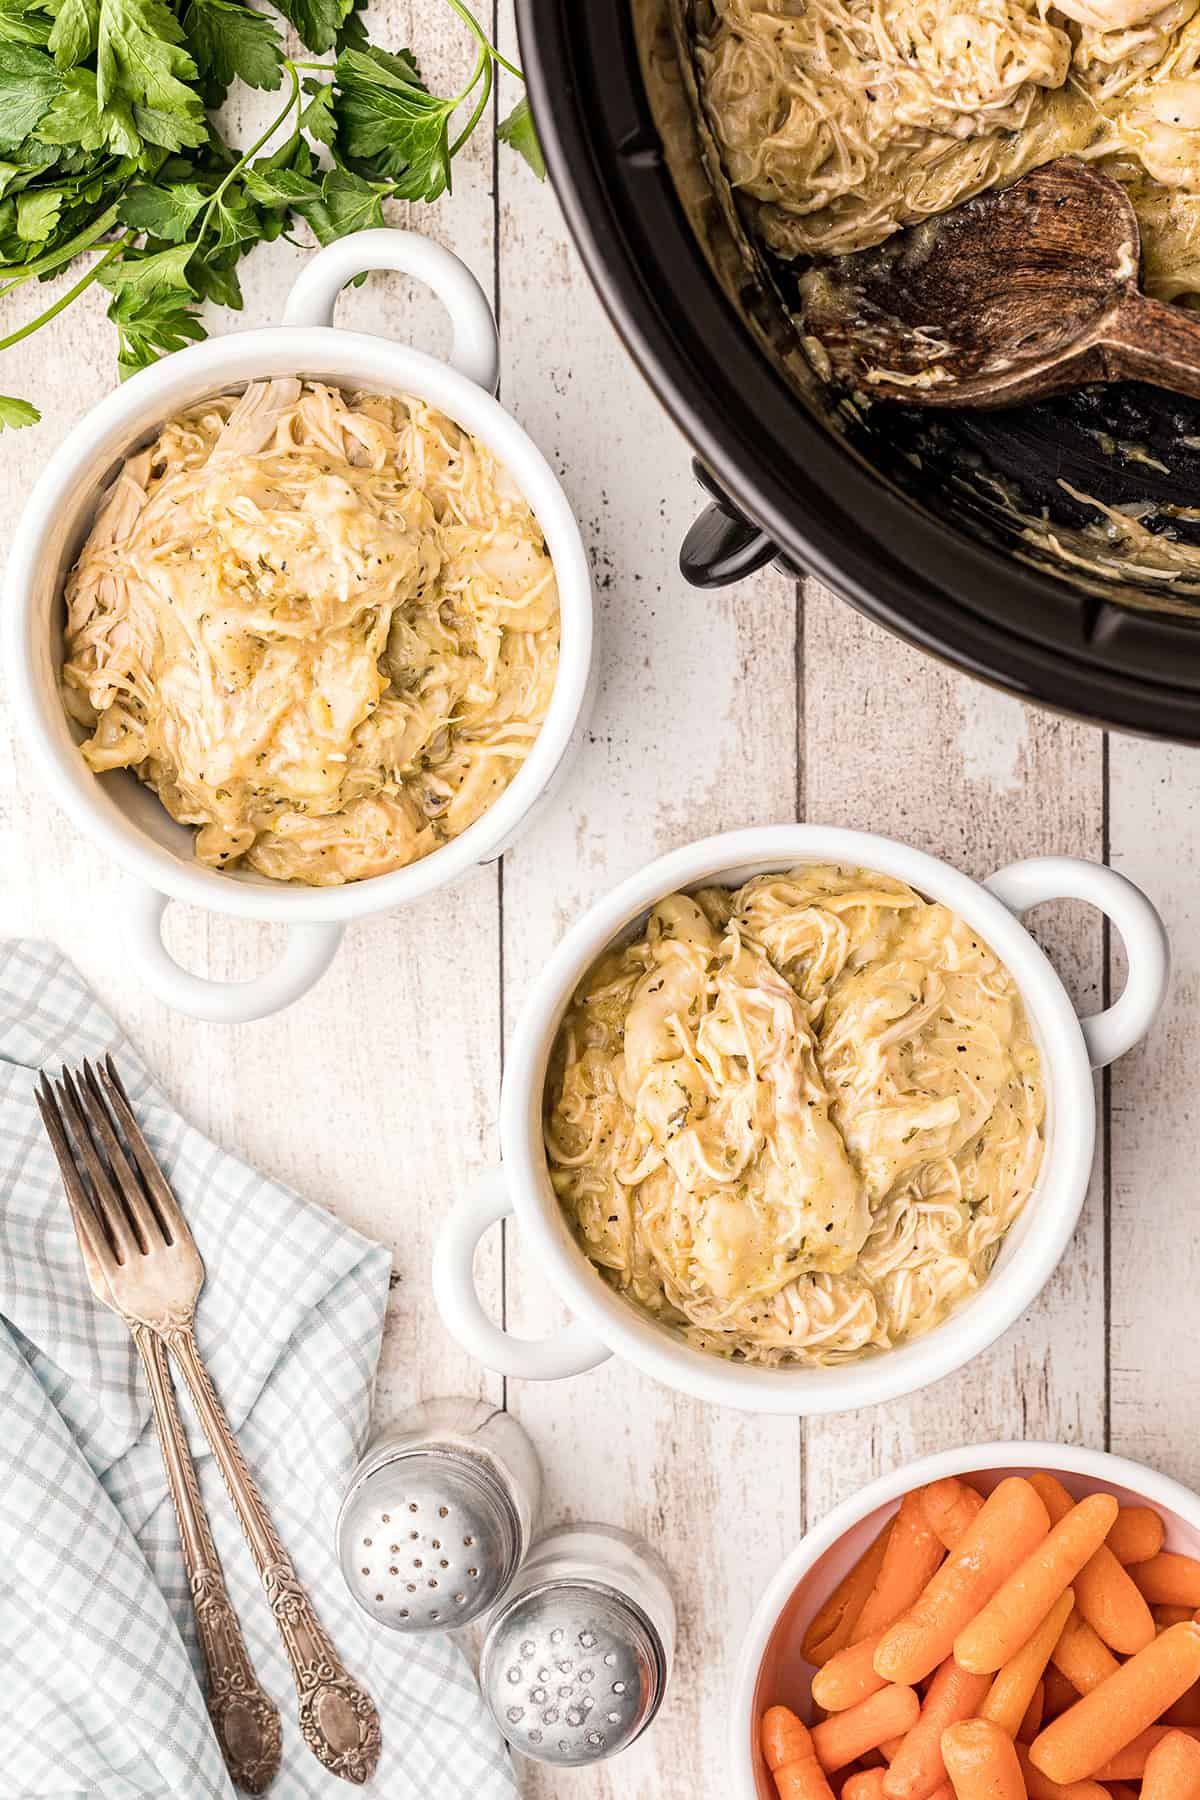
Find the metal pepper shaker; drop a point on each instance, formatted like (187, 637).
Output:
(578, 1654)
(439, 1515)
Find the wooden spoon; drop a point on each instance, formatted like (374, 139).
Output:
(1011, 297)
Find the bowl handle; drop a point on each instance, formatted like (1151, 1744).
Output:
(1110, 1033)
(568, 1352)
(310, 950)
(475, 351)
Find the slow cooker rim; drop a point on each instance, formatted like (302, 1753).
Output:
(819, 522)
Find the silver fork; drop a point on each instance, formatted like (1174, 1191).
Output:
(142, 1261)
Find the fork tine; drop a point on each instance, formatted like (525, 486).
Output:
(145, 1220)
(109, 1207)
(93, 1245)
(176, 1226)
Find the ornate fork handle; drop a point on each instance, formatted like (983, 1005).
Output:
(337, 1716)
(245, 1721)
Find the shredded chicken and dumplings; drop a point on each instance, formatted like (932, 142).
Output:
(795, 1122)
(843, 120)
(323, 628)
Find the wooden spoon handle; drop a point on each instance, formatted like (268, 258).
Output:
(1147, 340)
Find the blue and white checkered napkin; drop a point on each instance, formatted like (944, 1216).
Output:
(99, 1674)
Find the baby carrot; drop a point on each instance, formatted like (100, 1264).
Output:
(1081, 1657)
(847, 1735)
(1010, 1694)
(1017, 1608)
(832, 1624)
(1169, 1579)
(913, 1552)
(802, 1781)
(1060, 1694)
(950, 1506)
(1129, 1764)
(1137, 1535)
(1103, 1722)
(1111, 1604)
(981, 1761)
(783, 1736)
(1171, 1615)
(1031, 1724)
(866, 1785)
(1104, 1594)
(1121, 1790)
(1186, 1710)
(1173, 1769)
(787, 1746)
(849, 1676)
(1040, 1787)
(1010, 1523)
(917, 1768)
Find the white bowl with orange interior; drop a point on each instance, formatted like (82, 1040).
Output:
(772, 1668)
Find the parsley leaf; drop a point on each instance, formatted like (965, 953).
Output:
(317, 118)
(168, 212)
(317, 21)
(23, 22)
(216, 277)
(151, 326)
(16, 413)
(281, 187)
(74, 118)
(143, 72)
(160, 272)
(37, 213)
(29, 82)
(76, 26)
(388, 120)
(347, 203)
(520, 134)
(230, 41)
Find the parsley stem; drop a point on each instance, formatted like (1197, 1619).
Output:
(475, 28)
(72, 294)
(482, 67)
(54, 259)
(255, 147)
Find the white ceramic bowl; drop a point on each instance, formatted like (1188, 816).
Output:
(771, 1669)
(117, 811)
(1070, 1049)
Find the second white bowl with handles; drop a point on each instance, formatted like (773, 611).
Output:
(116, 810)
(606, 1324)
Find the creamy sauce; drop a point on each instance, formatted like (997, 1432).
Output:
(795, 1122)
(324, 629)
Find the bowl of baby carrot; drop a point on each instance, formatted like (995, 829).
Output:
(991, 1623)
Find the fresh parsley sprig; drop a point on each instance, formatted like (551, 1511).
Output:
(109, 150)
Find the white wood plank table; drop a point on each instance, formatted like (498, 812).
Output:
(376, 1095)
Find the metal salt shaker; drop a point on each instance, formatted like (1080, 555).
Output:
(439, 1515)
(578, 1654)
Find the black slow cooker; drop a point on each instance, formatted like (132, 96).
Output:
(978, 536)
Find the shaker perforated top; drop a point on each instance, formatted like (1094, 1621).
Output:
(429, 1540)
(573, 1671)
